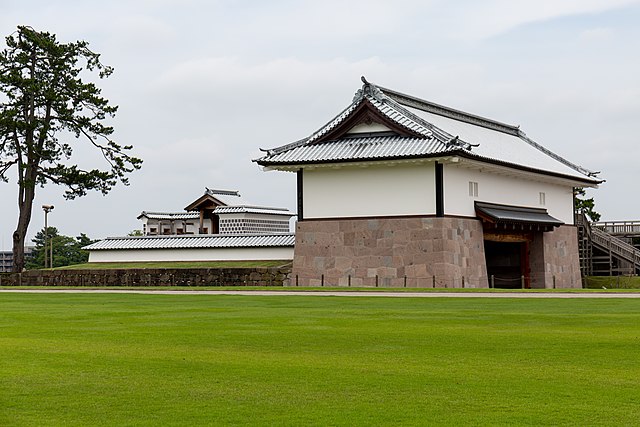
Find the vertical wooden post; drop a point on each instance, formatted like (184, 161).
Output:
(492, 284)
(522, 281)
(300, 194)
(439, 181)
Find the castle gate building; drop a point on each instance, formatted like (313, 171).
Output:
(400, 191)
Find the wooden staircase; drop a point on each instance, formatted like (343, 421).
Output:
(603, 252)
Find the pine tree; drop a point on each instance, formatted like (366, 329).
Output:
(46, 109)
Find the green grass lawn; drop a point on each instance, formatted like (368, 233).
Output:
(112, 359)
(612, 282)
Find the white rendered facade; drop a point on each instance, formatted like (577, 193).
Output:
(153, 226)
(507, 187)
(369, 190)
(203, 254)
(378, 190)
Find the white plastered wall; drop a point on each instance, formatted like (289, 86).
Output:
(191, 225)
(354, 191)
(503, 189)
(211, 254)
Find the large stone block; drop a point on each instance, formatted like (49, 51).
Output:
(392, 248)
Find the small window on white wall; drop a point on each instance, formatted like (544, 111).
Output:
(543, 199)
(473, 189)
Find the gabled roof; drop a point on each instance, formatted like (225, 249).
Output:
(420, 129)
(197, 241)
(212, 198)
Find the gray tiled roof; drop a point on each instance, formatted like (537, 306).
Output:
(170, 215)
(379, 147)
(391, 110)
(437, 130)
(252, 209)
(198, 241)
(228, 197)
(517, 214)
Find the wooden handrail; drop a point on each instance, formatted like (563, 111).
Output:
(618, 227)
(616, 246)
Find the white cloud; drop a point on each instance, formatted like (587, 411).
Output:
(597, 34)
(202, 85)
(138, 32)
(472, 20)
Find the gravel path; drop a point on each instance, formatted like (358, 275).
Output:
(342, 293)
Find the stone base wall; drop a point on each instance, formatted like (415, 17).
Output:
(555, 259)
(396, 252)
(258, 276)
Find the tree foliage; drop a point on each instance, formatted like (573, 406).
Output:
(45, 108)
(587, 206)
(66, 250)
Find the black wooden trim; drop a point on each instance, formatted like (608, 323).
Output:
(439, 189)
(300, 193)
(368, 218)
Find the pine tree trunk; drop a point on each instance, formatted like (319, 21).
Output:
(25, 204)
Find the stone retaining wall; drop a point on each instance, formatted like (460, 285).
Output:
(390, 252)
(265, 276)
(557, 260)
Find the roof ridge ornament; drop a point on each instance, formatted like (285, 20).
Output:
(362, 92)
(369, 89)
(457, 142)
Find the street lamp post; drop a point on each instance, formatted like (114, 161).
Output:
(47, 209)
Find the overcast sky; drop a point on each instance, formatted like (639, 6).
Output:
(202, 85)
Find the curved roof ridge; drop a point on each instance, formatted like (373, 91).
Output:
(357, 99)
(557, 157)
(452, 113)
(418, 126)
(435, 131)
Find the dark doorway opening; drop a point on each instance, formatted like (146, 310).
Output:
(507, 263)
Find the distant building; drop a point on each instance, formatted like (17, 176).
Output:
(197, 247)
(400, 191)
(217, 212)
(6, 259)
(218, 226)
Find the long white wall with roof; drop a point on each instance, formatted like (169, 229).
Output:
(507, 190)
(369, 191)
(205, 254)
